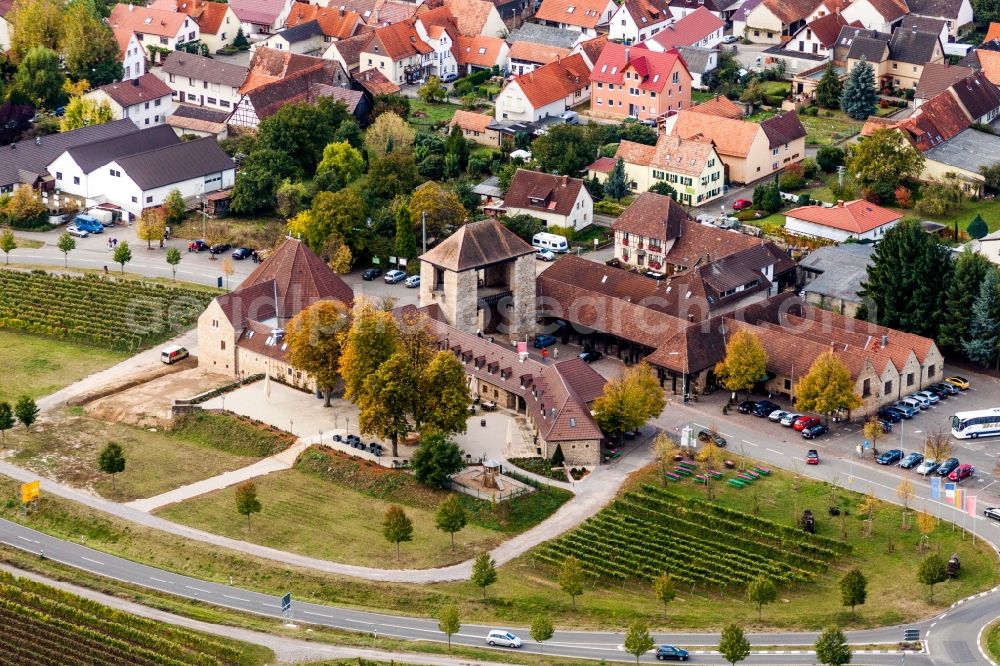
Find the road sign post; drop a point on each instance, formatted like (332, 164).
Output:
(30, 492)
(286, 606)
(911, 635)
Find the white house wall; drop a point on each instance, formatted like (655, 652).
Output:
(805, 228)
(124, 192)
(189, 90)
(133, 60)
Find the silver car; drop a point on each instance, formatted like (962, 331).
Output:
(789, 418)
(504, 638)
(934, 399)
(777, 415)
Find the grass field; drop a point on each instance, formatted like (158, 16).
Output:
(66, 448)
(991, 640)
(423, 115)
(38, 366)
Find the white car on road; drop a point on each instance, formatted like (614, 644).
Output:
(504, 638)
(74, 230)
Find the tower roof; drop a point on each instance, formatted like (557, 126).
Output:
(476, 245)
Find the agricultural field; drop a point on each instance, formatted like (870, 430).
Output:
(651, 530)
(43, 625)
(37, 366)
(115, 314)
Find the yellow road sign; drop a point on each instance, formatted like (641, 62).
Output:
(30, 491)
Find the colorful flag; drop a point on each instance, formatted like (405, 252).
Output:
(960, 498)
(936, 487)
(970, 505)
(949, 492)
(522, 347)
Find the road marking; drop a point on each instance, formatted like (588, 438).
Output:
(777, 452)
(90, 560)
(316, 614)
(196, 589)
(236, 598)
(160, 580)
(26, 539)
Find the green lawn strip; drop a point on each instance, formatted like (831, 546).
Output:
(991, 640)
(37, 365)
(28, 243)
(989, 210)
(699, 96)
(233, 435)
(156, 460)
(424, 115)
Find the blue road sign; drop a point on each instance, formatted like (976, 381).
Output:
(286, 602)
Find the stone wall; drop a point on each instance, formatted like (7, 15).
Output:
(577, 452)
(523, 316)
(216, 341)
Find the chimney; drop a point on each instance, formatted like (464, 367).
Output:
(840, 203)
(691, 318)
(342, 10)
(131, 7)
(135, 82)
(565, 181)
(626, 55)
(885, 341)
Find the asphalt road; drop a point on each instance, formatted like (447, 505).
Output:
(574, 644)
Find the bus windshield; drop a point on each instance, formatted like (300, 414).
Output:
(957, 424)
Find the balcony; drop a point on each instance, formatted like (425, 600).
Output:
(492, 296)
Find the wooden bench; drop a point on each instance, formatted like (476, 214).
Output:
(763, 471)
(700, 479)
(671, 476)
(714, 474)
(683, 471)
(745, 478)
(736, 483)
(751, 473)
(688, 465)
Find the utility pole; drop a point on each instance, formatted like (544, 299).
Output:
(423, 228)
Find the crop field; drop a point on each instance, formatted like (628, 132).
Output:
(43, 625)
(651, 530)
(116, 314)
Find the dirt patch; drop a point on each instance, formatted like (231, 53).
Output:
(147, 404)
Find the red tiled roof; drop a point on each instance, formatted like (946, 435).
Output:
(654, 68)
(993, 32)
(582, 13)
(478, 51)
(136, 91)
(937, 77)
(827, 28)
(469, 120)
(858, 216)
(398, 41)
(146, 20)
(375, 83)
(471, 15)
(720, 106)
(591, 49)
(261, 12)
(543, 191)
(671, 153)
(652, 216)
(554, 81)
(477, 244)
(537, 53)
(333, 22)
(689, 30)
(731, 137)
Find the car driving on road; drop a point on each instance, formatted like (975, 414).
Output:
(992, 512)
(706, 436)
(812, 457)
(74, 230)
(504, 638)
(890, 457)
(671, 653)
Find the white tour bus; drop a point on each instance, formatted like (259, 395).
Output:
(551, 242)
(980, 423)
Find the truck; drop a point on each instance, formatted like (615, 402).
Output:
(102, 215)
(88, 223)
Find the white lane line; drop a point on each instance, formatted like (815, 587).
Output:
(26, 538)
(160, 580)
(316, 614)
(90, 560)
(197, 589)
(776, 452)
(236, 598)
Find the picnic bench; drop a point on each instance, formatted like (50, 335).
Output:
(763, 471)
(683, 471)
(746, 477)
(700, 479)
(729, 464)
(751, 473)
(714, 474)
(671, 476)
(736, 483)
(686, 464)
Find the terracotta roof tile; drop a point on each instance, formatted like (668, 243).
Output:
(469, 120)
(858, 216)
(826, 28)
(654, 68)
(332, 22)
(583, 13)
(652, 216)
(790, 11)
(714, 6)
(993, 32)
(937, 77)
(478, 51)
(689, 30)
(990, 62)
(471, 15)
(698, 242)
(477, 244)
(398, 41)
(375, 83)
(731, 137)
(537, 53)
(720, 106)
(261, 12)
(890, 10)
(543, 191)
(146, 20)
(350, 49)
(591, 49)
(554, 81)
(671, 153)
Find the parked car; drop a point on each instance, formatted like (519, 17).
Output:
(591, 355)
(931, 396)
(746, 406)
(890, 457)
(905, 410)
(220, 248)
(710, 436)
(448, 78)
(950, 389)
(812, 457)
(197, 245)
(394, 276)
(889, 414)
(922, 400)
(886, 425)
(934, 390)
(764, 408)
(928, 466)
(812, 432)
(74, 230)
(789, 418)
(504, 638)
(413, 281)
(914, 404)
(671, 653)
(947, 467)
(730, 39)
(805, 421)
(544, 255)
(962, 472)
(960, 382)
(911, 460)
(741, 204)
(242, 253)
(542, 341)
(777, 415)
(992, 512)
(370, 274)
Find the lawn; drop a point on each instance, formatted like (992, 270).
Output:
(38, 366)
(992, 642)
(699, 96)
(66, 448)
(423, 115)
(253, 232)
(823, 130)
(989, 210)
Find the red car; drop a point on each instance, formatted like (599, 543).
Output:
(812, 458)
(740, 204)
(804, 422)
(962, 472)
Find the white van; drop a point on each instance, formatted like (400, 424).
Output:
(173, 353)
(547, 241)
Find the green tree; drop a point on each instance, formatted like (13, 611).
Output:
(448, 622)
(524, 225)
(390, 103)
(406, 241)
(301, 131)
(432, 91)
(39, 78)
(122, 255)
(907, 280)
(932, 571)
(444, 397)
(832, 648)
(829, 158)
(84, 111)
(541, 629)
(940, 197)
(961, 291)
(332, 215)
(35, 23)
(984, 326)
(638, 641)
(991, 175)
(174, 207)
(754, 93)
(883, 160)
(6, 421)
(853, 589)
(435, 460)
(457, 146)
(392, 175)
(444, 211)
(342, 164)
(7, 243)
(566, 149)
(389, 133)
(314, 338)
(859, 97)
(571, 578)
(629, 400)
(111, 460)
(240, 41)
(745, 362)
(372, 338)
(664, 188)
(484, 571)
(451, 517)
(617, 185)
(26, 411)
(733, 644)
(761, 591)
(89, 47)
(664, 590)
(767, 197)
(173, 258)
(397, 527)
(977, 228)
(260, 175)
(827, 387)
(829, 89)
(247, 502)
(66, 244)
